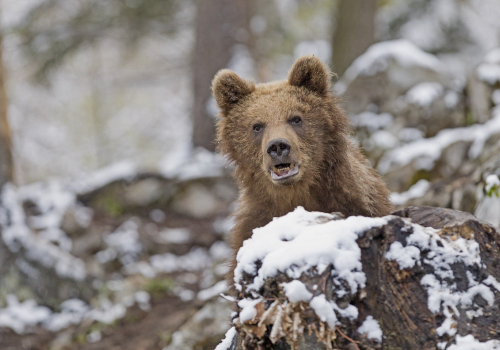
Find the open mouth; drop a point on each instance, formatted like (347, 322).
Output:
(284, 171)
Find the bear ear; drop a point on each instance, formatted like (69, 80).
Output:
(311, 73)
(228, 88)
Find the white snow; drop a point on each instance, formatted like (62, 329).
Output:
(17, 235)
(424, 94)
(324, 310)
(20, 315)
(298, 242)
(372, 121)
(200, 163)
(468, 342)
(213, 291)
(296, 291)
(491, 182)
(378, 57)
(248, 311)
(489, 70)
(104, 176)
(371, 328)
(122, 243)
(426, 151)
(174, 235)
(228, 339)
(301, 240)
(441, 253)
(415, 191)
(406, 257)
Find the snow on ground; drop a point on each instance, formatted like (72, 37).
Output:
(201, 163)
(36, 233)
(17, 236)
(424, 94)
(379, 56)
(423, 153)
(424, 246)
(415, 191)
(489, 70)
(372, 121)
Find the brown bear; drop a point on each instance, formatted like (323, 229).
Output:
(289, 141)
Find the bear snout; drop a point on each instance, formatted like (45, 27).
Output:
(278, 149)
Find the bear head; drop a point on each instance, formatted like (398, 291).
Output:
(283, 132)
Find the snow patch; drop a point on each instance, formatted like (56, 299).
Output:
(416, 191)
(371, 328)
(228, 339)
(426, 151)
(424, 94)
(468, 342)
(379, 56)
(296, 291)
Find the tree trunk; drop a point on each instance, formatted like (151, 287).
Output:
(450, 294)
(220, 24)
(6, 163)
(354, 33)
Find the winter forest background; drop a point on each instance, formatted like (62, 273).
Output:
(114, 209)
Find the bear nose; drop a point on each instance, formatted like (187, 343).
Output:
(278, 148)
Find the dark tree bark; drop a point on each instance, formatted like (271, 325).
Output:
(6, 163)
(220, 24)
(354, 33)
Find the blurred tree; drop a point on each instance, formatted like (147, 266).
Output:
(220, 24)
(354, 33)
(6, 162)
(53, 29)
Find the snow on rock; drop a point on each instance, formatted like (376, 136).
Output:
(213, 291)
(104, 176)
(379, 56)
(296, 291)
(470, 343)
(201, 163)
(489, 70)
(424, 94)
(372, 121)
(324, 310)
(415, 191)
(18, 236)
(371, 328)
(248, 311)
(425, 246)
(123, 244)
(425, 152)
(492, 181)
(228, 339)
(298, 241)
(20, 315)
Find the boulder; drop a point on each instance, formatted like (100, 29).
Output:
(422, 278)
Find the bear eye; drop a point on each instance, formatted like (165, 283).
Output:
(258, 127)
(296, 121)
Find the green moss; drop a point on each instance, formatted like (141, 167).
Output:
(110, 205)
(421, 175)
(470, 118)
(158, 287)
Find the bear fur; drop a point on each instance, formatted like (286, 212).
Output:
(292, 127)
